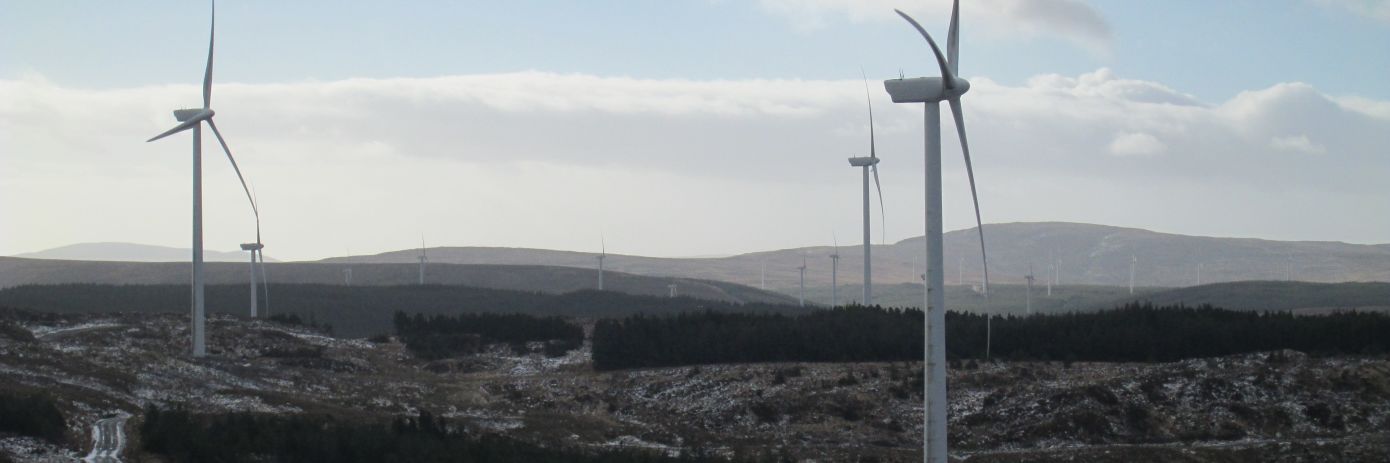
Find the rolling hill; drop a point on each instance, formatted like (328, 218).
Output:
(1086, 255)
(535, 278)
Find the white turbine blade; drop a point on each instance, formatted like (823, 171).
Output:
(946, 74)
(257, 201)
(207, 75)
(953, 38)
(870, 100)
(970, 171)
(882, 218)
(254, 210)
(185, 125)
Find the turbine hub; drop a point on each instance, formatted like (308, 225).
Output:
(185, 115)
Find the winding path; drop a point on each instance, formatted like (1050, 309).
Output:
(108, 436)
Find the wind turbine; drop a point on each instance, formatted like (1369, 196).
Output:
(423, 259)
(834, 273)
(672, 288)
(762, 277)
(1051, 272)
(603, 253)
(255, 248)
(931, 91)
(194, 119)
(801, 294)
(1133, 261)
(1199, 274)
(867, 163)
(1028, 296)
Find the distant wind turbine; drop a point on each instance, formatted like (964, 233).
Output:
(1028, 296)
(423, 259)
(602, 254)
(1051, 271)
(801, 294)
(834, 273)
(672, 288)
(867, 163)
(932, 91)
(1199, 274)
(1133, 261)
(194, 119)
(255, 248)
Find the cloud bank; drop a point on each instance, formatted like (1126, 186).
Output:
(675, 167)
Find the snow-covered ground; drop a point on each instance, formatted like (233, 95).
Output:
(1259, 403)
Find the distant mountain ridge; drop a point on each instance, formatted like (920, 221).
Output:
(132, 252)
(1086, 254)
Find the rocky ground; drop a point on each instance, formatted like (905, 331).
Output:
(1277, 406)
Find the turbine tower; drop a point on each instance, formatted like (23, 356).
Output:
(834, 274)
(762, 277)
(256, 249)
(603, 253)
(672, 288)
(1051, 271)
(932, 91)
(423, 259)
(1133, 261)
(194, 119)
(801, 294)
(867, 163)
(1199, 274)
(1028, 296)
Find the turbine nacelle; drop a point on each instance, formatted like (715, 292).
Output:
(252, 246)
(863, 161)
(185, 115)
(924, 89)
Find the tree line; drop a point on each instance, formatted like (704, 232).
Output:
(441, 336)
(1130, 333)
(34, 415)
(182, 436)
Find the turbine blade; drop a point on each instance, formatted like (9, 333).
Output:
(257, 201)
(946, 74)
(970, 171)
(882, 218)
(870, 100)
(207, 75)
(252, 199)
(953, 38)
(185, 125)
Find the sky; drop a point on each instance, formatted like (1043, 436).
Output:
(685, 127)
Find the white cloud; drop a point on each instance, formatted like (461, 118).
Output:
(1298, 144)
(1375, 9)
(1070, 19)
(540, 159)
(1136, 144)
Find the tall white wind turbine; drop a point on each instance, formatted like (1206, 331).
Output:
(194, 119)
(931, 91)
(867, 163)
